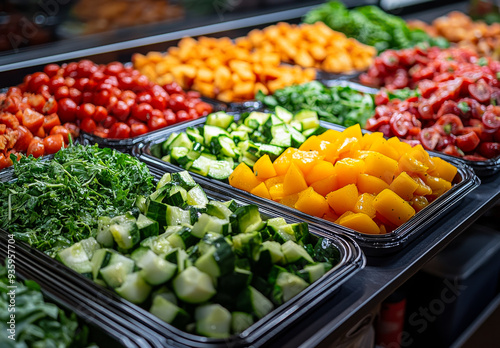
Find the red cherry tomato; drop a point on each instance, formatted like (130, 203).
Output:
(491, 119)
(142, 111)
(137, 129)
(155, 123)
(37, 80)
(121, 110)
(401, 123)
(24, 139)
(203, 108)
(452, 150)
(144, 97)
(467, 142)
(170, 116)
(182, 116)
(119, 130)
(425, 110)
(62, 92)
(32, 120)
(109, 121)
(100, 114)
(51, 121)
(53, 143)
(73, 129)
(67, 110)
(450, 124)
(480, 91)
(85, 110)
(51, 69)
(88, 125)
(172, 88)
(177, 102)
(49, 107)
(373, 124)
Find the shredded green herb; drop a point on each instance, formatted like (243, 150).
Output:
(337, 104)
(372, 26)
(37, 323)
(53, 204)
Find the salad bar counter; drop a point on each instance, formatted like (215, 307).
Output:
(268, 184)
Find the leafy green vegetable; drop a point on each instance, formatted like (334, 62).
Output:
(53, 204)
(337, 104)
(372, 26)
(37, 323)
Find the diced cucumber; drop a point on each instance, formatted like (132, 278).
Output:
(240, 321)
(246, 219)
(134, 288)
(207, 223)
(117, 269)
(147, 227)
(193, 286)
(197, 197)
(182, 239)
(166, 144)
(201, 165)
(154, 269)
(210, 132)
(142, 203)
(178, 257)
(301, 232)
(181, 140)
(281, 136)
(252, 301)
(165, 179)
(272, 151)
(194, 135)
(255, 119)
(179, 155)
(290, 285)
(295, 253)
(104, 236)
(220, 170)
(177, 216)
(236, 281)
(218, 209)
(297, 137)
(169, 312)
(311, 273)
(273, 249)
(283, 113)
(218, 260)
(90, 245)
(100, 260)
(176, 196)
(219, 119)
(232, 205)
(184, 179)
(125, 231)
(239, 136)
(76, 258)
(247, 244)
(213, 320)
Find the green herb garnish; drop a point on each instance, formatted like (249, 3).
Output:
(53, 204)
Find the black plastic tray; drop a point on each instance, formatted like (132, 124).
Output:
(464, 182)
(260, 333)
(101, 329)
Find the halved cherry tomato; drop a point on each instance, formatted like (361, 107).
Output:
(427, 87)
(401, 123)
(53, 143)
(51, 121)
(450, 123)
(9, 120)
(489, 149)
(429, 137)
(73, 129)
(24, 139)
(61, 130)
(5, 161)
(467, 142)
(50, 106)
(491, 119)
(480, 91)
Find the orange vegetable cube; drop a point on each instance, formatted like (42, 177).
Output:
(370, 184)
(419, 202)
(364, 204)
(306, 160)
(347, 171)
(343, 199)
(353, 132)
(393, 208)
(385, 148)
(326, 185)
(380, 166)
(275, 180)
(277, 192)
(360, 222)
(400, 146)
(423, 189)
(243, 178)
(369, 139)
(264, 168)
(261, 191)
(330, 215)
(330, 135)
(437, 185)
(404, 186)
(282, 163)
(312, 203)
(320, 171)
(443, 169)
(294, 181)
(313, 143)
(290, 200)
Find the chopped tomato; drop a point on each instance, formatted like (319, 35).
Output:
(24, 139)
(53, 143)
(51, 121)
(36, 148)
(489, 149)
(429, 138)
(468, 142)
(32, 119)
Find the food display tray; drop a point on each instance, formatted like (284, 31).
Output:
(107, 332)
(376, 245)
(260, 333)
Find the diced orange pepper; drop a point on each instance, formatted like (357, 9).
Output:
(306, 160)
(392, 207)
(443, 169)
(382, 146)
(273, 181)
(284, 160)
(419, 202)
(347, 171)
(261, 191)
(330, 215)
(321, 170)
(369, 139)
(360, 222)
(312, 203)
(364, 204)
(381, 166)
(243, 178)
(294, 181)
(326, 185)
(343, 199)
(330, 135)
(277, 192)
(264, 168)
(404, 186)
(370, 184)
(437, 185)
(290, 200)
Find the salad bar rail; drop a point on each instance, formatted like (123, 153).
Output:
(382, 276)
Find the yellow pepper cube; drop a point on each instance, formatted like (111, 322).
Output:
(347, 171)
(343, 199)
(393, 208)
(364, 204)
(243, 178)
(404, 186)
(264, 168)
(370, 184)
(312, 203)
(360, 222)
(380, 166)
